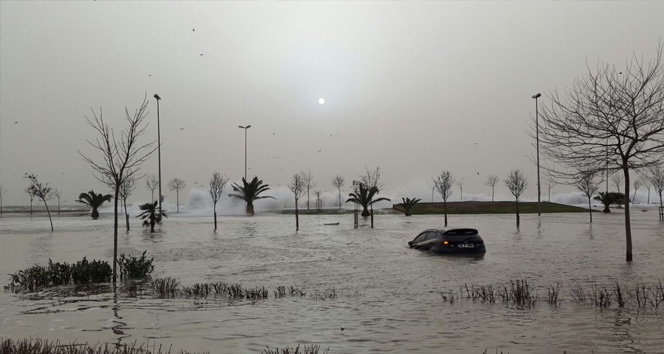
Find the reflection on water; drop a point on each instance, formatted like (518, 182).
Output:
(389, 296)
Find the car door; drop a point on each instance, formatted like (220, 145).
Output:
(420, 238)
(428, 240)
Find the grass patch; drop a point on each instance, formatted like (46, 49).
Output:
(475, 207)
(56, 274)
(307, 349)
(43, 346)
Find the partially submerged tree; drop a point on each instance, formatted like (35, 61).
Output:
(177, 185)
(151, 215)
(94, 201)
(610, 119)
(657, 181)
(609, 198)
(297, 186)
(250, 192)
(588, 186)
(121, 157)
(364, 196)
(57, 194)
(516, 183)
(125, 191)
(217, 186)
(308, 179)
(408, 204)
(152, 183)
(338, 181)
(491, 181)
(444, 183)
(41, 191)
(3, 191)
(31, 195)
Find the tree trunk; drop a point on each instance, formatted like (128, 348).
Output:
(518, 221)
(628, 225)
(214, 208)
(590, 210)
(297, 217)
(372, 217)
(445, 210)
(493, 192)
(177, 201)
(95, 214)
(115, 231)
(307, 198)
(152, 196)
(49, 214)
(250, 208)
(339, 197)
(365, 211)
(124, 201)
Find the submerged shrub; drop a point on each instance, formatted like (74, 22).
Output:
(307, 349)
(37, 277)
(86, 272)
(43, 346)
(135, 268)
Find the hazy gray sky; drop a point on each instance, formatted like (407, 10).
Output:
(415, 87)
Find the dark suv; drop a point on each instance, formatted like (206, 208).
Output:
(462, 240)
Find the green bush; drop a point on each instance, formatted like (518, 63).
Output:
(83, 272)
(135, 268)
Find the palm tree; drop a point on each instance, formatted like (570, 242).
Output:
(151, 215)
(364, 196)
(408, 204)
(94, 201)
(250, 192)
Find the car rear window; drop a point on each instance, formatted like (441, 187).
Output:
(461, 232)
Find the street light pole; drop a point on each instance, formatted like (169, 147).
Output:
(245, 148)
(539, 190)
(156, 96)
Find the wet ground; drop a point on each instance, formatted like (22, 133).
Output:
(388, 296)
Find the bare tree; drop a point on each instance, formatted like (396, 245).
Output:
(516, 182)
(3, 191)
(177, 185)
(617, 180)
(57, 194)
(338, 182)
(31, 194)
(120, 159)
(297, 186)
(657, 180)
(551, 181)
(588, 186)
(610, 119)
(492, 181)
(126, 188)
(372, 179)
(308, 179)
(637, 185)
(41, 191)
(151, 183)
(444, 183)
(217, 186)
(646, 183)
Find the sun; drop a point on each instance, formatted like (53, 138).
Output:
(321, 101)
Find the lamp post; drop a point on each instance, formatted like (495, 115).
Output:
(156, 96)
(539, 190)
(245, 148)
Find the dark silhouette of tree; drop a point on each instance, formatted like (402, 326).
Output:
(94, 201)
(249, 192)
(152, 183)
(516, 183)
(338, 182)
(657, 181)
(217, 186)
(30, 194)
(177, 185)
(609, 198)
(297, 186)
(444, 183)
(610, 119)
(3, 191)
(41, 191)
(408, 204)
(308, 179)
(125, 191)
(492, 181)
(364, 196)
(120, 159)
(588, 186)
(151, 215)
(57, 194)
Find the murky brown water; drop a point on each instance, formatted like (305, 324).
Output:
(388, 295)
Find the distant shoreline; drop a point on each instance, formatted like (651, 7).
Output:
(482, 207)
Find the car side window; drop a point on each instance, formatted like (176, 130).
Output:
(421, 237)
(431, 235)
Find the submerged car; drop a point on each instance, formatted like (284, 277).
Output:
(460, 240)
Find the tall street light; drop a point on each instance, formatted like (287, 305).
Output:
(245, 148)
(156, 96)
(539, 190)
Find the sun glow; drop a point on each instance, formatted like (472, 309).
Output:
(321, 101)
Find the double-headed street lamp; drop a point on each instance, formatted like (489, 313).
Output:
(539, 190)
(245, 148)
(156, 96)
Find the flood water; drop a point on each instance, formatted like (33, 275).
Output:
(388, 296)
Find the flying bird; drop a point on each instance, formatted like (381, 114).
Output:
(201, 55)
(320, 150)
(276, 157)
(15, 122)
(181, 128)
(193, 30)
